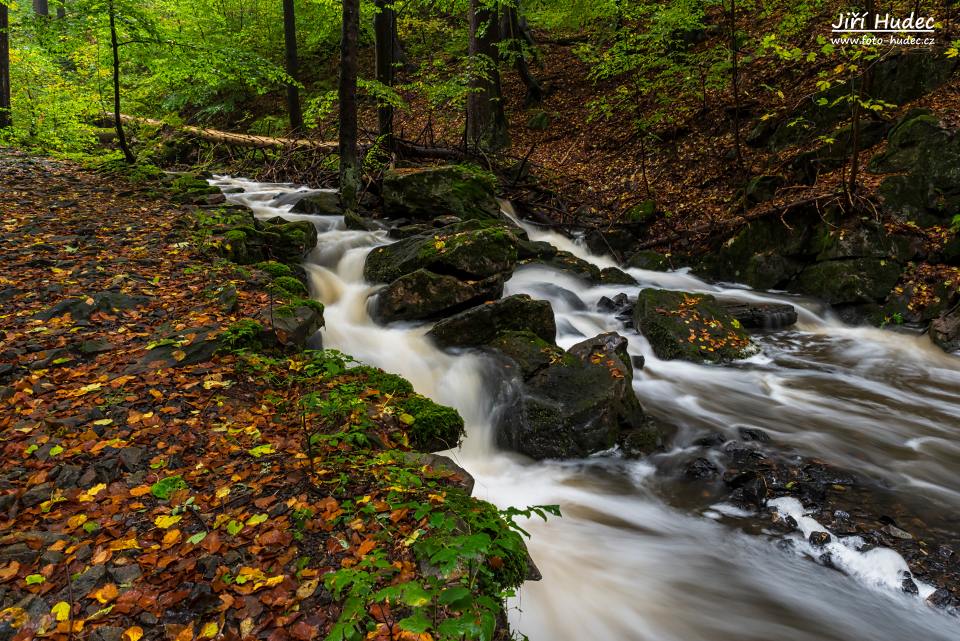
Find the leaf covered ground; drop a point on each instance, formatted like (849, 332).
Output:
(159, 483)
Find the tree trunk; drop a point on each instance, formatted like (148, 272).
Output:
(41, 7)
(511, 31)
(851, 184)
(486, 120)
(734, 85)
(5, 118)
(385, 29)
(349, 166)
(290, 43)
(121, 138)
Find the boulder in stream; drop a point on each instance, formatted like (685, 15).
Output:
(483, 324)
(424, 193)
(424, 295)
(693, 327)
(468, 251)
(573, 404)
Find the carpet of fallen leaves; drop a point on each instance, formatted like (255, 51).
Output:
(157, 502)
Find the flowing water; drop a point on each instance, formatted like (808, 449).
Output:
(628, 560)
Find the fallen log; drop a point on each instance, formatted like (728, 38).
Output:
(232, 138)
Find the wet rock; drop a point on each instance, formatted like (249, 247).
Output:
(753, 434)
(614, 276)
(106, 633)
(186, 347)
(316, 203)
(567, 262)
(468, 251)
(424, 295)
(131, 457)
(694, 327)
(893, 530)
(36, 495)
(762, 315)
(713, 439)
(819, 539)
(84, 583)
(81, 309)
(537, 250)
(762, 188)
(292, 325)
(945, 330)
(577, 403)
(19, 552)
(247, 240)
(125, 574)
(617, 304)
(701, 468)
(424, 193)
(646, 259)
(483, 324)
(908, 585)
(927, 155)
(851, 281)
(445, 466)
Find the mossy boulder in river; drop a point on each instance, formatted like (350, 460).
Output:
(469, 251)
(424, 295)
(425, 193)
(573, 404)
(692, 327)
(244, 239)
(482, 325)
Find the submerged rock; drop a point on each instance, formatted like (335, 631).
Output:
(425, 193)
(693, 327)
(762, 315)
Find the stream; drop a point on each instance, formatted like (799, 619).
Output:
(632, 558)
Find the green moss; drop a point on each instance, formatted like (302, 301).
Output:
(384, 382)
(236, 236)
(274, 269)
(243, 334)
(435, 427)
(288, 286)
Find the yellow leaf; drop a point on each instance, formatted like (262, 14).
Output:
(166, 521)
(123, 544)
(171, 537)
(106, 594)
(77, 520)
(61, 611)
(307, 588)
(179, 355)
(209, 630)
(103, 421)
(133, 633)
(86, 389)
(223, 491)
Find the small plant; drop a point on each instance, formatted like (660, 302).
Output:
(243, 334)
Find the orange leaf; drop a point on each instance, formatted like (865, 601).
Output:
(133, 633)
(170, 538)
(106, 594)
(140, 490)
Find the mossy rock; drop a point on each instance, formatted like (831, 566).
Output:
(616, 276)
(469, 251)
(648, 259)
(481, 325)
(245, 241)
(425, 193)
(762, 188)
(572, 404)
(433, 426)
(848, 282)
(424, 295)
(291, 325)
(927, 157)
(567, 262)
(692, 327)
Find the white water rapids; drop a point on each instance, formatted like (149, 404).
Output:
(624, 563)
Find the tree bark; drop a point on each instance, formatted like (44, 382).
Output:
(511, 31)
(121, 138)
(290, 44)
(347, 94)
(5, 116)
(385, 29)
(486, 121)
(735, 85)
(41, 7)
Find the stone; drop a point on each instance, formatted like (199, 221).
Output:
(316, 203)
(424, 295)
(762, 315)
(481, 325)
(468, 251)
(762, 188)
(945, 330)
(567, 262)
(694, 327)
(819, 539)
(577, 403)
(81, 309)
(857, 280)
(292, 325)
(615, 276)
(424, 193)
(648, 259)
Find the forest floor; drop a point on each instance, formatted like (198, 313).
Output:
(150, 486)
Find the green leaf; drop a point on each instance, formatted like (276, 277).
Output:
(234, 527)
(197, 538)
(163, 488)
(257, 519)
(418, 623)
(35, 579)
(261, 450)
(55, 450)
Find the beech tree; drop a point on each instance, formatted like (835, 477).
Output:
(486, 120)
(347, 96)
(5, 119)
(385, 31)
(290, 46)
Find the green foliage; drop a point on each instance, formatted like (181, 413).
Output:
(287, 286)
(243, 334)
(432, 426)
(274, 269)
(163, 488)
